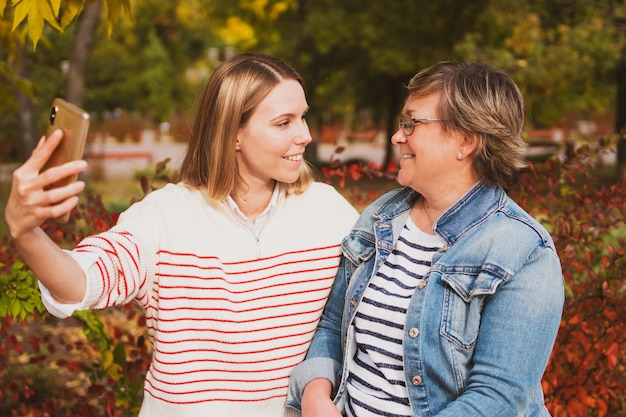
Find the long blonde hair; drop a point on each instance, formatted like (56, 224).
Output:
(227, 102)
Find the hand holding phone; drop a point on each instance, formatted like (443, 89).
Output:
(74, 123)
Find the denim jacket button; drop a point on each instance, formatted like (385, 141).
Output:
(417, 380)
(422, 284)
(413, 332)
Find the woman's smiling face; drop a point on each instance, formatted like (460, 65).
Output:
(271, 144)
(428, 154)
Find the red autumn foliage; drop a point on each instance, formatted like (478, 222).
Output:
(587, 372)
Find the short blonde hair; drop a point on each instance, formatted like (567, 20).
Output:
(482, 101)
(227, 102)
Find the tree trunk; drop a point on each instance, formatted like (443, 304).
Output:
(87, 26)
(620, 116)
(26, 114)
(392, 118)
(297, 30)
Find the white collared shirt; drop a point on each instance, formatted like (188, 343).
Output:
(257, 226)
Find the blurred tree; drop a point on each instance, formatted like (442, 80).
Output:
(20, 19)
(154, 64)
(620, 113)
(355, 55)
(359, 54)
(87, 26)
(562, 54)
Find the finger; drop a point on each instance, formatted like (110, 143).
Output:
(53, 203)
(43, 151)
(27, 180)
(52, 175)
(26, 211)
(36, 216)
(49, 145)
(63, 207)
(58, 195)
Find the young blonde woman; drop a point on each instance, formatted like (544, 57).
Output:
(233, 265)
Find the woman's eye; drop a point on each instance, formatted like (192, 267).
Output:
(283, 123)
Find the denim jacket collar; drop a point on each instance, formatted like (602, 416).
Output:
(476, 205)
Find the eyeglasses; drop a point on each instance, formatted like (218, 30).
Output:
(408, 126)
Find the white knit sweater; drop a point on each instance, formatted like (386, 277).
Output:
(229, 316)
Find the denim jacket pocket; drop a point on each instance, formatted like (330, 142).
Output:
(358, 248)
(464, 296)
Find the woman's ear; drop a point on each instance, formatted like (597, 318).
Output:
(468, 145)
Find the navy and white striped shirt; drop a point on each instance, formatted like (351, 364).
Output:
(376, 381)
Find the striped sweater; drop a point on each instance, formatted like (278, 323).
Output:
(229, 315)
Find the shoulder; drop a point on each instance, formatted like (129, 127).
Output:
(323, 207)
(388, 204)
(326, 197)
(171, 192)
(173, 196)
(525, 224)
(169, 201)
(322, 190)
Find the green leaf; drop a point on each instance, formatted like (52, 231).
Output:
(5, 302)
(119, 354)
(16, 308)
(29, 306)
(161, 165)
(23, 293)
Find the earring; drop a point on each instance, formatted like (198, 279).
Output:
(459, 155)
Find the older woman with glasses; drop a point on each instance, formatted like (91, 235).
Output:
(449, 296)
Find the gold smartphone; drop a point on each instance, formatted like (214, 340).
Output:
(74, 122)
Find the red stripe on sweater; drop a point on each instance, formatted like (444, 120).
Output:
(255, 289)
(193, 255)
(237, 400)
(241, 361)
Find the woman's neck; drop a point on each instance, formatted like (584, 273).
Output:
(252, 201)
(428, 207)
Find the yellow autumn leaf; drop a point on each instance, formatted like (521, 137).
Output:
(50, 15)
(70, 11)
(35, 22)
(21, 9)
(238, 33)
(56, 6)
(3, 5)
(116, 8)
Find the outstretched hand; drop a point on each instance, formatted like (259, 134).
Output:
(30, 203)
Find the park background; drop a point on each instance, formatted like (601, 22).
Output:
(137, 65)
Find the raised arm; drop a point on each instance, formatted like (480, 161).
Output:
(30, 204)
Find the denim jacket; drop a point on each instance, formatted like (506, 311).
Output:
(480, 328)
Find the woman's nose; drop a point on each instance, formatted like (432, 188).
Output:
(398, 137)
(304, 136)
